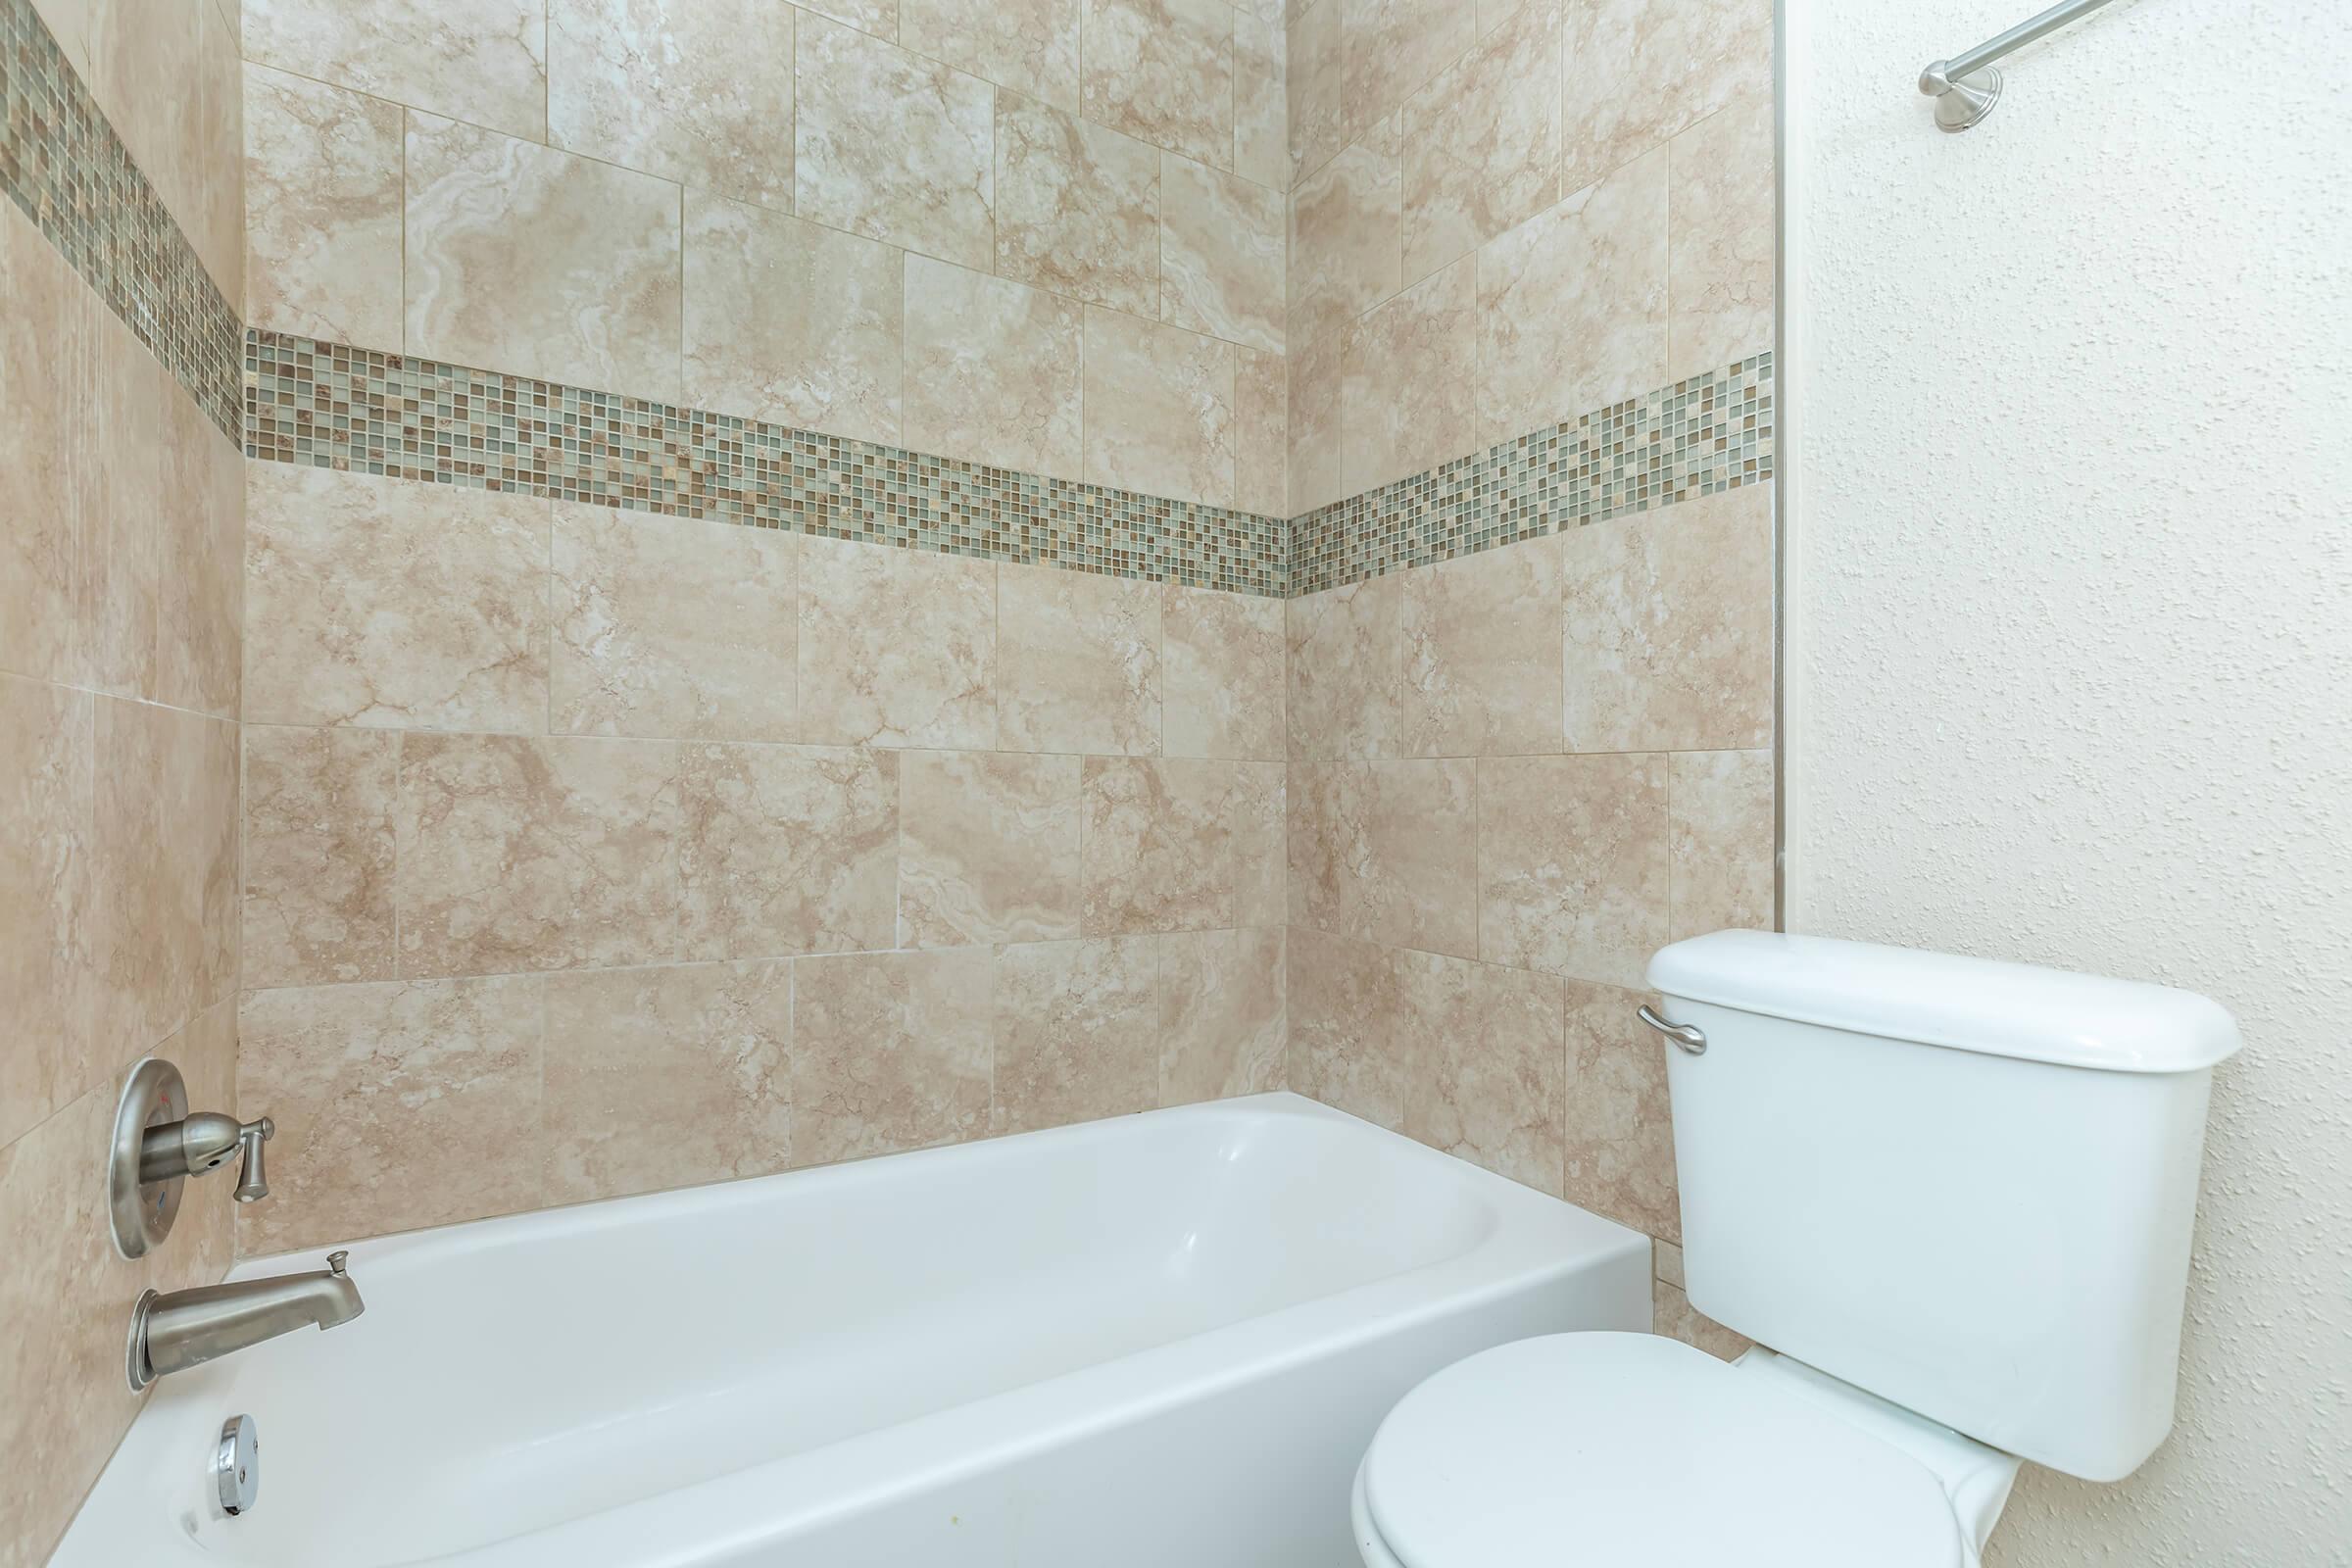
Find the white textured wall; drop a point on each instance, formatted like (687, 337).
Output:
(2071, 628)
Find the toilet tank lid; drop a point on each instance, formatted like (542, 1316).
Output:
(1942, 999)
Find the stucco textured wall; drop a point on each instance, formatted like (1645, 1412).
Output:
(2071, 629)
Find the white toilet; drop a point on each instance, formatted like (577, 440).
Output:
(1954, 1199)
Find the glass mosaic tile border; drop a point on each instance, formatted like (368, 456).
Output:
(65, 167)
(1708, 433)
(329, 406)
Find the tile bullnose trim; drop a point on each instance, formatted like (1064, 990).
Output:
(67, 170)
(332, 405)
(1709, 432)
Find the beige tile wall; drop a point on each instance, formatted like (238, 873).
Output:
(121, 510)
(1514, 775)
(1045, 234)
(165, 75)
(1507, 214)
(649, 851)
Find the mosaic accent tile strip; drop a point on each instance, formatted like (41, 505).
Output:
(65, 167)
(1711, 433)
(328, 405)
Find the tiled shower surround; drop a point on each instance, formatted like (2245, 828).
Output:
(671, 688)
(1257, 572)
(121, 510)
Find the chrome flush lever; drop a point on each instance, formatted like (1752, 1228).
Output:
(1684, 1035)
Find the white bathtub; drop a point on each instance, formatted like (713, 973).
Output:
(1163, 1340)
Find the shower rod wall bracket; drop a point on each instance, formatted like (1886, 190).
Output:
(1965, 87)
(1963, 103)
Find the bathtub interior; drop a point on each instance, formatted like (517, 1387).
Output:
(527, 1371)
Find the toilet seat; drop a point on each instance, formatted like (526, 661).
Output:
(1610, 1450)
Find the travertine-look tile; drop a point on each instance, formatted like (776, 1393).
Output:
(66, 1294)
(878, 16)
(1077, 1032)
(1262, 131)
(1386, 852)
(1030, 46)
(217, 150)
(1572, 865)
(1221, 670)
(162, 912)
(700, 95)
(891, 1050)
(68, 23)
(114, 483)
(322, 200)
(518, 855)
(1346, 250)
(1410, 387)
(540, 263)
(994, 371)
(1487, 1077)
(1316, 87)
(665, 1077)
(1162, 71)
(1620, 1119)
(1493, 14)
(1722, 856)
(1221, 255)
(485, 61)
(1221, 1015)
(988, 848)
(897, 646)
(1639, 72)
(787, 850)
(1348, 1021)
(1078, 662)
(1316, 370)
(41, 612)
(1077, 207)
(1669, 627)
(1722, 238)
(893, 146)
(1673, 1315)
(1159, 409)
(831, 363)
(1452, 660)
(1668, 1259)
(1393, 46)
(318, 855)
(147, 73)
(376, 1090)
(1261, 394)
(389, 604)
(1181, 845)
(1339, 648)
(1483, 142)
(200, 608)
(672, 626)
(1572, 305)
(1477, 675)
(51, 1053)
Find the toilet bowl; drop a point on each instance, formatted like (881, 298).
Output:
(1607, 1449)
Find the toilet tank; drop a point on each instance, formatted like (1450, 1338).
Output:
(1962, 1185)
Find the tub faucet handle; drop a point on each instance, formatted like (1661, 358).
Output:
(253, 1178)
